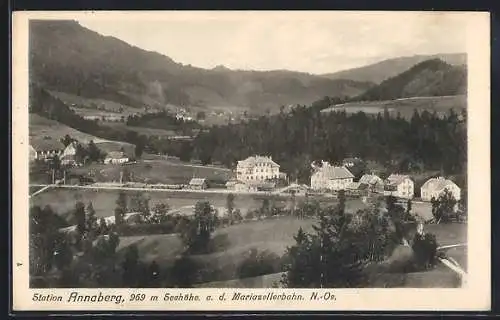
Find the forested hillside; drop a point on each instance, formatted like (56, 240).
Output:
(426, 142)
(429, 78)
(67, 57)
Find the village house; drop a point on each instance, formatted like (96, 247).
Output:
(399, 186)
(375, 183)
(68, 156)
(116, 157)
(257, 168)
(434, 187)
(198, 184)
(44, 149)
(329, 177)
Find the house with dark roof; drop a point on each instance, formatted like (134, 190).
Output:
(44, 149)
(399, 186)
(328, 177)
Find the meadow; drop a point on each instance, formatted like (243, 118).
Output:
(155, 171)
(274, 236)
(405, 106)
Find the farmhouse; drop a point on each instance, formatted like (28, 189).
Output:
(331, 178)
(257, 168)
(374, 183)
(434, 187)
(400, 186)
(68, 156)
(44, 149)
(116, 157)
(198, 184)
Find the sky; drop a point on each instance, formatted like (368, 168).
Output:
(313, 42)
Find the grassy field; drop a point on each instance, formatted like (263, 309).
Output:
(43, 127)
(275, 236)
(86, 106)
(405, 106)
(156, 171)
(141, 130)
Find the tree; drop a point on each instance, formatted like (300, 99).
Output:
(121, 202)
(197, 232)
(130, 266)
(81, 225)
(200, 115)
(443, 208)
(103, 227)
(91, 220)
(93, 152)
(139, 149)
(160, 211)
(333, 256)
(265, 209)
(230, 207)
(184, 272)
(67, 140)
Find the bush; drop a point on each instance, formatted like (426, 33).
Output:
(257, 264)
(425, 250)
(147, 229)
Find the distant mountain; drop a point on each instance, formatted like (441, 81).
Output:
(383, 70)
(427, 79)
(67, 57)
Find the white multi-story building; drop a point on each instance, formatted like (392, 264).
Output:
(257, 168)
(329, 177)
(434, 187)
(400, 186)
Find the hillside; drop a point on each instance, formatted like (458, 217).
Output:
(386, 69)
(66, 57)
(426, 79)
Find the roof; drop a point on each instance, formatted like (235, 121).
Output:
(396, 179)
(251, 161)
(335, 172)
(370, 179)
(41, 144)
(116, 155)
(197, 181)
(438, 183)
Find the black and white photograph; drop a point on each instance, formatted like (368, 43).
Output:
(255, 150)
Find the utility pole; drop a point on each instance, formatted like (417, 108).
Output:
(321, 265)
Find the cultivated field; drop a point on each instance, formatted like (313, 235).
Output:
(405, 106)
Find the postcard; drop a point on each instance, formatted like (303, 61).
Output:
(250, 160)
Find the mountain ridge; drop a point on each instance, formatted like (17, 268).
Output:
(385, 69)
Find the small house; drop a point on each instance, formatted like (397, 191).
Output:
(44, 149)
(329, 177)
(198, 184)
(435, 187)
(116, 157)
(399, 186)
(373, 182)
(68, 156)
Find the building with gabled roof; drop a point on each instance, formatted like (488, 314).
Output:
(44, 148)
(399, 186)
(257, 168)
(329, 177)
(374, 182)
(198, 184)
(434, 187)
